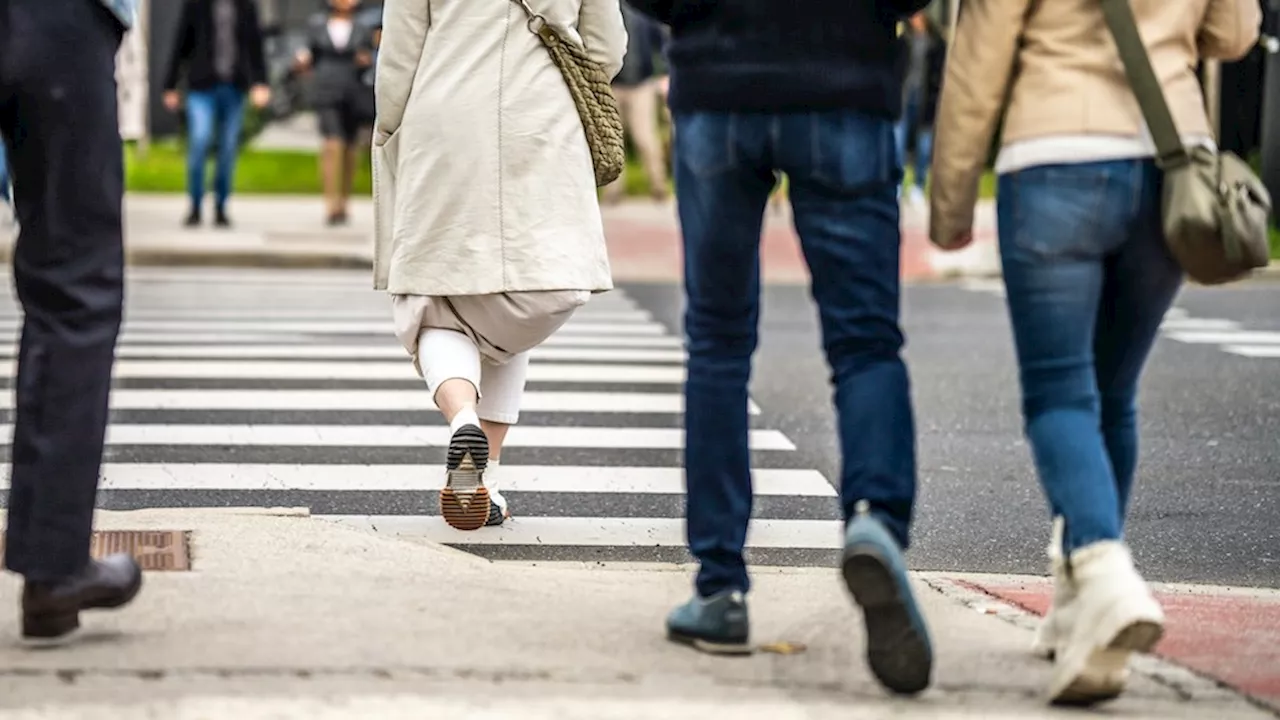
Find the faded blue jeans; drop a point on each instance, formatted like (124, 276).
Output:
(843, 172)
(922, 153)
(217, 113)
(1089, 280)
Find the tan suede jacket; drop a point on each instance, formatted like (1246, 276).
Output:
(1058, 65)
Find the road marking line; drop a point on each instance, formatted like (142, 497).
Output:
(129, 337)
(1254, 351)
(1240, 337)
(384, 327)
(372, 371)
(1190, 323)
(603, 438)
(637, 532)
(385, 401)
(389, 478)
(370, 352)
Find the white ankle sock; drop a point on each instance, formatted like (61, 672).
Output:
(464, 417)
(492, 480)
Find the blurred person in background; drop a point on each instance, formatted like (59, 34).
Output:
(339, 51)
(1087, 271)
(639, 90)
(219, 50)
(5, 193)
(488, 227)
(59, 118)
(924, 54)
(811, 90)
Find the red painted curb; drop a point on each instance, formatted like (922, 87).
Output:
(1230, 636)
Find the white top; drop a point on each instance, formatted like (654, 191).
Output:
(1070, 149)
(340, 32)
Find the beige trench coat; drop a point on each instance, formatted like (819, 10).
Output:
(482, 176)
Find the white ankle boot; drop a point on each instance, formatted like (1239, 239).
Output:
(1113, 616)
(1057, 621)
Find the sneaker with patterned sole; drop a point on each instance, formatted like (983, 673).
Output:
(464, 501)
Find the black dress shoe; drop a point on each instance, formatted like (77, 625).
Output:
(52, 610)
(220, 219)
(193, 219)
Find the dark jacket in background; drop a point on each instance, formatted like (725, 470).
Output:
(193, 50)
(335, 78)
(935, 68)
(646, 42)
(784, 55)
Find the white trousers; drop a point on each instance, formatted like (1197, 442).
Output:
(484, 339)
(450, 355)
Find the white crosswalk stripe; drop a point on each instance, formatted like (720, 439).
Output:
(268, 388)
(1179, 325)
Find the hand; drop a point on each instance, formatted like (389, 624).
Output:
(260, 95)
(172, 100)
(302, 59)
(363, 59)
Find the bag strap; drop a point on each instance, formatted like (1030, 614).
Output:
(1170, 153)
(537, 23)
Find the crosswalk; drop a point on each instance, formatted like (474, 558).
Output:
(276, 388)
(1179, 325)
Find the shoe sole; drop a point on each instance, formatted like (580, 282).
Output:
(48, 643)
(898, 654)
(1105, 675)
(711, 648)
(464, 501)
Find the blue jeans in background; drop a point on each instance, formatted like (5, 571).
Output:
(4, 173)
(222, 109)
(843, 174)
(912, 116)
(1089, 280)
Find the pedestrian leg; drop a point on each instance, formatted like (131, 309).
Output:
(723, 177)
(201, 118)
(844, 175)
(68, 272)
(230, 111)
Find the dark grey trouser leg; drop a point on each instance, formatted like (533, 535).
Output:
(59, 119)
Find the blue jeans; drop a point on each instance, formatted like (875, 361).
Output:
(221, 107)
(912, 116)
(843, 174)
(1089, 280)
(4, 173)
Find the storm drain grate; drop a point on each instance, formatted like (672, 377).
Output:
(155, 550)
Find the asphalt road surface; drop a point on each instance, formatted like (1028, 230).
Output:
(277, 388)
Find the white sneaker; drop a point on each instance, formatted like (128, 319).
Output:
(1113, 616)
(918, 199)
(1057, 621)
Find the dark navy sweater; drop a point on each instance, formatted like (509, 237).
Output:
(783, 55)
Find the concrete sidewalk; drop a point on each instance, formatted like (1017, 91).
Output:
(644, 239)
(284, 616)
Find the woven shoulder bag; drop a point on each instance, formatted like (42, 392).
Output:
(592, 94)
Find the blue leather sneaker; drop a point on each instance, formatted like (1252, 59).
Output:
(716, 624)
(898, 647)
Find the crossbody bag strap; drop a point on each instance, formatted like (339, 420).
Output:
(1170, 152)
(537, 22)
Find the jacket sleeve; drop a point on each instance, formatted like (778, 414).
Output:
(182, 46)
(257, 61)
(1229, 29)
(604, 33)
(979, 67)
(404, 36)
